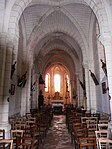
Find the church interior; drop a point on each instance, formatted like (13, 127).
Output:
(56, 74)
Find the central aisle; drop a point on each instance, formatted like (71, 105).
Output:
(57, 136)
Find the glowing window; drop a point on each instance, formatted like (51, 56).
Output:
(68, 82)
(57, 83)
(47, 83)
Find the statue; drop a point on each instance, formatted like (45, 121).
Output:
(40, 100)
(82, 84)
(41, 81)
(13, 69)
(22, 81)
(104, 67)
(94, 78)
(84, 101)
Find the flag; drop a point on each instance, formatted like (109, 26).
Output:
(104, 67)
(94, 78)
(33, 88)
(82, 85)
(41, 81)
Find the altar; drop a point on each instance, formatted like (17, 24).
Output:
(57, 103)
(57, 98)
(57, 108)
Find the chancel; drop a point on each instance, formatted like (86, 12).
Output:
(57, 103)
(60, 50)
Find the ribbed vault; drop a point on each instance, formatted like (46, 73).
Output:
(42, 18)
(59, 32)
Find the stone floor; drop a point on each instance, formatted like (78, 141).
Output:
(57, 136)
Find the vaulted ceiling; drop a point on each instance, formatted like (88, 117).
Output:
(58, 33)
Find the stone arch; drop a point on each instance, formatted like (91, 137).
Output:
(67, 48)
(42, 35)
(82, 43)
(20, 5)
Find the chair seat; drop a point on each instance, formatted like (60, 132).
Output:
(105, 143)
(7, 142)
(87, 142)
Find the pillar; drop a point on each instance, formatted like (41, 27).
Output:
(108, 54)
(87, 83)
(34, 95)
(28, 99)
(92, 88)
(6, 45)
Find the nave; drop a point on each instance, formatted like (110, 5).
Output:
(60, 48)
(71, 129)
(57, 136)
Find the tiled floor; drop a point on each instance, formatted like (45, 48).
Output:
(57, 136)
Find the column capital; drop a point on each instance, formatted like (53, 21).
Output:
(85, 65)
(106, 39)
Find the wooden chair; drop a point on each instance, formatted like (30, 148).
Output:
(75, 126)
(15, 134)
(30, 123)
(101, 134)
(105, 143)
(31, 119)
(79, 133)
(28, 140)
(92, 127)
(103, 121)
(94, 118)
(29, 132)
(2, 135)
(26, 143)
(6, 142)
(87, 142)
(105, 117)
(102, 126)
(21, 126)
(15, 122)
(83, 119)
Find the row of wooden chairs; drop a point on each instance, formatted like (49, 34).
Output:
(19, 139)
(5, 142)
(83, 128)
(82, 137)
(28, 132)
(24, 138)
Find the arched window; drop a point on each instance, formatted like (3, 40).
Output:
(57, 83)
(47, 81)
(67, 81)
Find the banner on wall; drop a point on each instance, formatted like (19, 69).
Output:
(33, 88)
(94, 78)
(104, 66)
(82, 84)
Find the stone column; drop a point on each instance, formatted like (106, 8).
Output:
(34, 92)
(5, 82)
(92, 88)
(2, 61)
(87, 83)
(78, 88)
(24, 91)
(108, 54)
(15, 99)
(28, 100)
(73, 89)
(23, 101)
